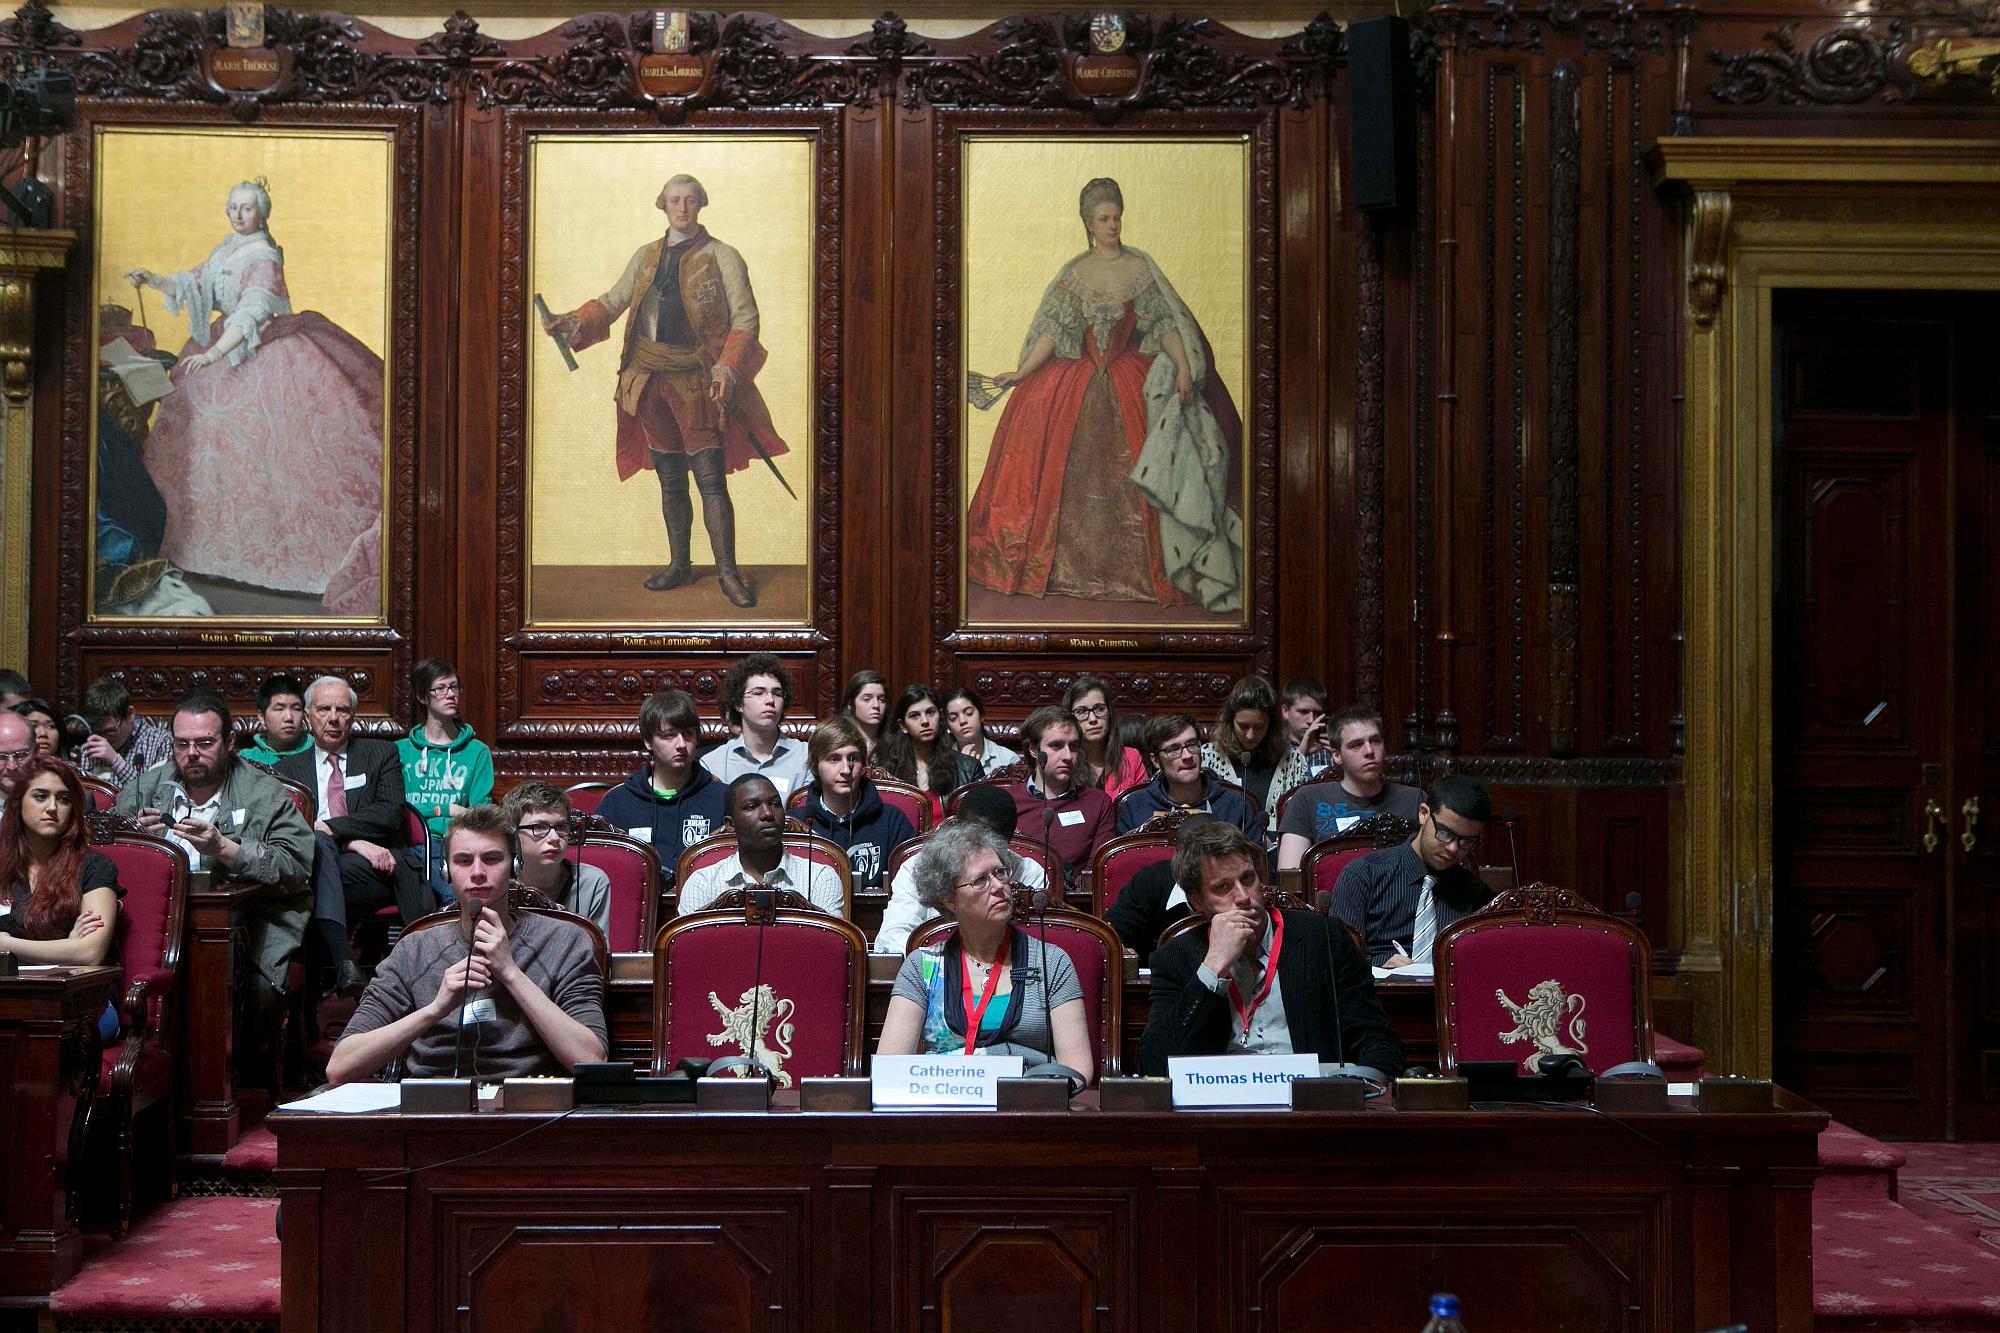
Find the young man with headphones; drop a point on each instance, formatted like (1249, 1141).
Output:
(494, 995)
(1052, 805)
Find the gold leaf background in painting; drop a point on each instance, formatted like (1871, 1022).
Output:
(592, 207)
(1186, 205)
(160, 197)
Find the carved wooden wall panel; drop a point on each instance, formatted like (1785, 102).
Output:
(1461, 426)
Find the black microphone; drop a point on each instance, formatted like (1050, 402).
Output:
(1512, 820)
(464, 995)
(1333, 980)
(763, 902)
(1341, 1069)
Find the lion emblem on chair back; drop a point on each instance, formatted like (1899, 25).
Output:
(749, 1028)
(1550, 1019)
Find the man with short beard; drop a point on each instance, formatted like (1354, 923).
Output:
(237, 820)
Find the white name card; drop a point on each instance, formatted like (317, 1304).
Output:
(968, 1082)
(1238, 1080)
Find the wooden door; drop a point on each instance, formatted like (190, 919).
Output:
(1860, 972)
(1973, 844)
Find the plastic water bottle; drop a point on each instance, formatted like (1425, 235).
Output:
(1444, 1315)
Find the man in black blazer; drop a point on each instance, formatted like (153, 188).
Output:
(358, 860)
(1254, 983)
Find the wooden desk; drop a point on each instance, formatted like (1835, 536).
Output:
(49, 1062)
(1411, 1007)
(205, 1101)
(1171, 1222)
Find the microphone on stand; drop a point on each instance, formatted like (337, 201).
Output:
(470, 920)
(1512, 821)
(763, 902)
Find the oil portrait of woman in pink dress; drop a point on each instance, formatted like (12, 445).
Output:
(268, 451)
(1111, 472)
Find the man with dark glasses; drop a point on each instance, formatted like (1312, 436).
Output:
(1399, 898)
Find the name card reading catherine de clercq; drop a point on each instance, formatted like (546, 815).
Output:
(967, 1082)
(1238, 1080)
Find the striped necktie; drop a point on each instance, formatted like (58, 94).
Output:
(1426, 928)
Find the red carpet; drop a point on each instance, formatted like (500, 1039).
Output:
(1897, 1235)
(194, 1259)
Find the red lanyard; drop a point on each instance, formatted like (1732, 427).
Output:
(1270, 975)
(975, 1013)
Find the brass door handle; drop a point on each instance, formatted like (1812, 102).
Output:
(1933, 816)
(1970, 810)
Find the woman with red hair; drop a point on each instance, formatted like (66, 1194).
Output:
(61, 897)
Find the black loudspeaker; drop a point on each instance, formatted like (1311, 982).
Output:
(1381, 115)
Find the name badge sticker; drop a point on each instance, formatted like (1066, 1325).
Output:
(642, 833)
(1070, 818)
(962, 1082)
(481, 1010)
(1238, 1080)
(236, 818)
(355, 780)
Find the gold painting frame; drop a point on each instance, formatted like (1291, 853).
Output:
(1218, 265)
(747, 174)
(346, 365)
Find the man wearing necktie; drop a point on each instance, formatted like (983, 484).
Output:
(1254, 981)
(1400, 897)
(358, 859)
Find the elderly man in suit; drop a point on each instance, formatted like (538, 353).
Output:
(358, 860)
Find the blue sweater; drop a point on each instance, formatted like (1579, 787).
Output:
(1140, 804)
(868, 834)
(670, 823)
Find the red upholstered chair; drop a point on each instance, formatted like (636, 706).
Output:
(520, 899)
(633, 868)
(1005, 776)
(721, 846)
(302, 796)
(98, 794)
(1277, 900)
(1025, 847)
(139, 1072)
(800, 975)
(1122, 857)
(584, 797)
(913, 801)
(1320, 867)
(1096, 953)
(1540, 972)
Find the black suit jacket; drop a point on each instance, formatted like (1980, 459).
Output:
(1188, 1018)
(1141, 912)
(374, 809)
(374, 812)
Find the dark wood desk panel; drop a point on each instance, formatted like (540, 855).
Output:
(1411, 1007)
(205, 1100)
(49, 1061)
(1173, 1222)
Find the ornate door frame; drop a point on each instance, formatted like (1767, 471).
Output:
(1761, 215)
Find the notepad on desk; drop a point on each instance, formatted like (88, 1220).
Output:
(1414, 972)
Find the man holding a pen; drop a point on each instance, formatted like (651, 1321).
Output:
(1400, 897)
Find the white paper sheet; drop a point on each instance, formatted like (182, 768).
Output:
(1414, 972)
(350, 1098)
(145, 379)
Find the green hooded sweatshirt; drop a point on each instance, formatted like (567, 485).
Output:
(261, 751)
(437, 777)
